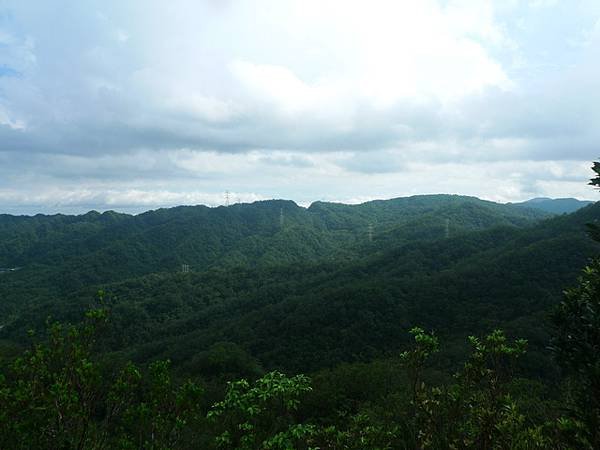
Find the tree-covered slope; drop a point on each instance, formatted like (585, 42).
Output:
(61, 254)
(201, 235)
(555, 205)
(315, 316)
(319, 312)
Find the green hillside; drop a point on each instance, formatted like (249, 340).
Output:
(334, 291)
(555, 205)
(311, 292)
(61, 254)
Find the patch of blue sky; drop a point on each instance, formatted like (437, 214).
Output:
(6, 71)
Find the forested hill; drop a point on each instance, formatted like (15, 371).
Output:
(106, 247)
(310, 290)
(303, 317)
(555, 205)
(333, 291)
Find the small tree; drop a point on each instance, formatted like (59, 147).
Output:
(576, 343)
(56, 396)
(49, 397)
(260, 415)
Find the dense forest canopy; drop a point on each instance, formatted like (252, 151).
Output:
(332, 291)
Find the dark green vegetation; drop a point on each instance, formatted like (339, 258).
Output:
(330, 291)
(555, 205)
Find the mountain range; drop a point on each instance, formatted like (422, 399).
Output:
(291, 287)
(555, 205)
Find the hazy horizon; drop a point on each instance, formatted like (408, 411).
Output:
(140, 209)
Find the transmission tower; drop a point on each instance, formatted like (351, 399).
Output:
(370, 232)
(281, 218)
(227, 193)
(447, 229)
(185, 268)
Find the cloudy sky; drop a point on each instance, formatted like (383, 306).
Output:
(141, 104)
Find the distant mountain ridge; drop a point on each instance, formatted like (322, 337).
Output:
(241, 233)
(554, 205)
(289, 304)
(62, 254)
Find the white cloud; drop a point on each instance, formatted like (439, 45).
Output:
(296, 98)
(121, 36)
(14, 124)
(388, 51)
(277, 84)
(81, 200)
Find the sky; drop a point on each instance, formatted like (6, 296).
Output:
(138, 105)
